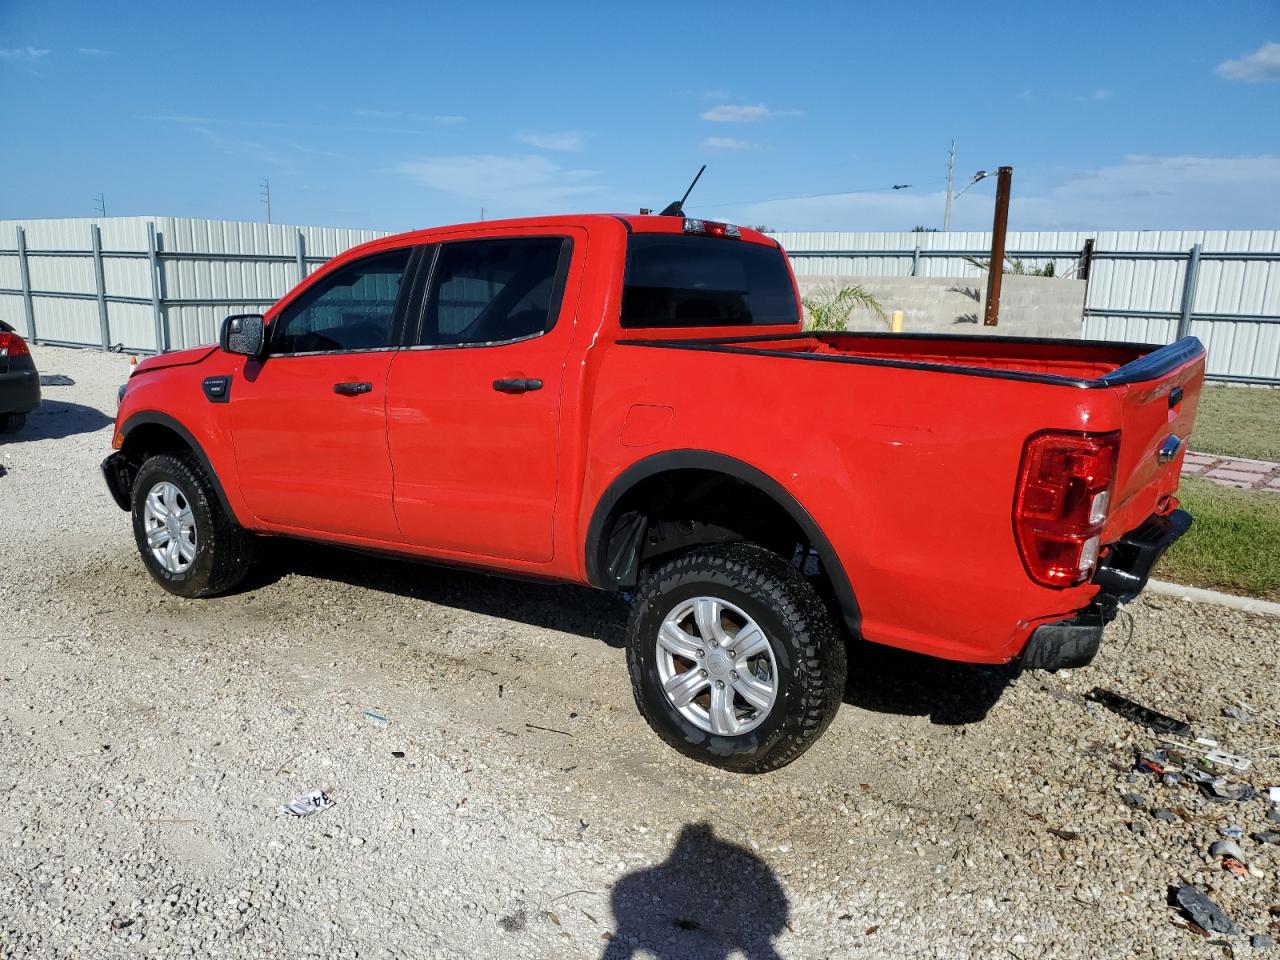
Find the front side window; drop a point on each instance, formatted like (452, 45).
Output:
(492, 291)
(673, 280)
(352, 309)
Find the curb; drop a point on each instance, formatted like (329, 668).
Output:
(1199, 595)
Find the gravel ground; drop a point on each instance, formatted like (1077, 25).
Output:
(515, 804)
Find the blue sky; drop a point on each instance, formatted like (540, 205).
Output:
(395, 116)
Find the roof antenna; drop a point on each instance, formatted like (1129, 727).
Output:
(677, 209)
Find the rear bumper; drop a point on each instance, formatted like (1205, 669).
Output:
(19, 391)
(1122, 574)
(119, 473)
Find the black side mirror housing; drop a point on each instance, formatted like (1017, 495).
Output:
(244, 333)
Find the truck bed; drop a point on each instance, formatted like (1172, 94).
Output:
(1082, 363)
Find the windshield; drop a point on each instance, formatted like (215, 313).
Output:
(692, 281)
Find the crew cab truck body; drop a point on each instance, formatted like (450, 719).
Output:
(632, 403)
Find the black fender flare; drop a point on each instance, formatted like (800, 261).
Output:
(147, 417)
(739, 470)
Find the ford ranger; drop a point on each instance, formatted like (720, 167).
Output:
(632, 402)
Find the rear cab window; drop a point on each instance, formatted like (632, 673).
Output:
(678, 280)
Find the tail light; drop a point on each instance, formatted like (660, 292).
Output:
(12, 345)
(1064, 492)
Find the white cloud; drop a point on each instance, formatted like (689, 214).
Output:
(27, 55)
(1138, 193)
(553, 140)
(727, 143)
(744, 113)
(1101, 93)
(374, 114)
(1262, 64)
(93, 52)
(523, 182)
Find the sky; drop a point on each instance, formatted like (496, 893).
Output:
(395, 116)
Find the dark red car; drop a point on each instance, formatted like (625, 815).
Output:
(632, 403)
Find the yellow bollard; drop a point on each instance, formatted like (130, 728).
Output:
(895, 322)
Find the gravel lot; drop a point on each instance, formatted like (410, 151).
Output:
(516, 806)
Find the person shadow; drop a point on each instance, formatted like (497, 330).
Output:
(708, 899)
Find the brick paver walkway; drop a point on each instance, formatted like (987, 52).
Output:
(1233, 471)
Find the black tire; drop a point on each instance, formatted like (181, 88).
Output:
(12, 422)
(224, 551)
(807, 647)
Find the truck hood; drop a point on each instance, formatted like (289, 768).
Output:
(179, 358)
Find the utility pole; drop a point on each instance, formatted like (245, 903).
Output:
(995, 269)
(951, 174)
(266, 196)
(101, 201)
(482, 214)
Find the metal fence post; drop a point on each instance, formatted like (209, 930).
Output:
(1189, 291)
(100, 279)
(25, 273)
(302, 257)
(153, 257)
(915, 262)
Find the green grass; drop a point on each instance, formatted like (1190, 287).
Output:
(1238, 422)
(1232, 545)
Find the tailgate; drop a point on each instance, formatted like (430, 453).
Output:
(1156, 420)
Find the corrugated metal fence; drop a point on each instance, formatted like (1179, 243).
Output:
(150, 283)
(163, 283)
(1222, 286)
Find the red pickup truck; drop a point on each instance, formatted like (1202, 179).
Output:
(632, 403)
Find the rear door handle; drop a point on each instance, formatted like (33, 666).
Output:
(517, 385)
(351, 389)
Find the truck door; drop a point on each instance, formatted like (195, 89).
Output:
(309, 422)
(473, 400)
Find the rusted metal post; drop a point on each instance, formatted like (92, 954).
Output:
(995, 269)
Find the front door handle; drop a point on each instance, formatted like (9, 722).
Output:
(516, 385)
(352, 389)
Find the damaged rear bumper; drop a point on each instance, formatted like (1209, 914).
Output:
(1121, 574)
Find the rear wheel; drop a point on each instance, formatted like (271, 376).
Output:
(12, 422)
(734, 658)
(187, 541)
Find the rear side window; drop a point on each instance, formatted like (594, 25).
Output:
(674, 280)
(352, 309)
(493, 291)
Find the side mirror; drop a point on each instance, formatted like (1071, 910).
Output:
(244, 333)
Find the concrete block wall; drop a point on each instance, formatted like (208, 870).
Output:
(1029, 306)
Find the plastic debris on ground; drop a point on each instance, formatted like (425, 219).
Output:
(377, 718)
(1231, 760)
(1204, 911)
(311, 802)
(1273, 794)
(1237, 712)
(1226, 848)
(1137, 713)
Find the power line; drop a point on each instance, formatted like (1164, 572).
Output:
(813, 196)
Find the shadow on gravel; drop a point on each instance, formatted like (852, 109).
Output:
(894, 681)
(57, 419)
(709, 899)
(578, 610)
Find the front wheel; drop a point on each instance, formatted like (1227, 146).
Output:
(187, 541)
(734, 658)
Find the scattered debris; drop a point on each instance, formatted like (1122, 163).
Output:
(1273, 815)
(308, 803)
(56, 380)
(553, 918)
(871, 929)
(1065, 834)
(1232, 831)
(1273, 794)
(1266, 836)
(1137, 713)
(1260, 941)
(1134, 800)
(1204, 911)
(1232, 865)
(1237, 712)
(398, 754)
(534, 726)
(1231, 760)
(377, 718)
(1227, 848)
(1165, 815)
